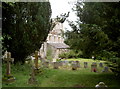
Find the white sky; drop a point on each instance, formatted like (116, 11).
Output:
(63, 6)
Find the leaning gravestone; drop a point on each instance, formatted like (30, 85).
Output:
(8, 78)
(55, 65)
(94, 67)
(32, 79)
(100, 64)
(85, 64)
(105, 69)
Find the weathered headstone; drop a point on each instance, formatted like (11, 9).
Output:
(46, 64)
(85, 64)
(93, 67)
(100, 64)
(105, 69)
(74, 66)
(32, 79)
(55, 65)
(8, 78)
(78, 64)
(66, 62)
(60, 63)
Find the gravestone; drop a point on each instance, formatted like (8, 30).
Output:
(105, 69)
(55, 65)
(60, 63)
(66, 62)
(100, 64)
(32, 79)
(85, 64)
(8, 78)
(93, 67)
(74, 66)
(46, 64)
(78, 64)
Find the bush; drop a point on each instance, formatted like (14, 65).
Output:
(71, 54)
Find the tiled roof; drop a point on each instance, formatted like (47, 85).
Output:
(59, 45)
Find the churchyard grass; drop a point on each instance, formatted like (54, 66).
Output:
(82, 77)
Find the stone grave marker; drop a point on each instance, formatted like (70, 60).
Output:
(93, 67)
(78, 64)
(74, 66)
(100, 64)
(46, 64)
(32, 79)
(60, 63)
(85, 64)
(55, 65)
(8, 78)
(106, 69)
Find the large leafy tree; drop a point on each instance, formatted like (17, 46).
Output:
(25, 27)
(97, 31)
(97, 28)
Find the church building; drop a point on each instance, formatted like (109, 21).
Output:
(54, 44)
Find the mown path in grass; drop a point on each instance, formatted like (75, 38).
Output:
(62, 77)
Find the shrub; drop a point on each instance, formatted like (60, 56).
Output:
(71, 54)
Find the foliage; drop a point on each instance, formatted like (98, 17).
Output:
(96, 31)
(25, 27)
(70, 54)
(62, 17)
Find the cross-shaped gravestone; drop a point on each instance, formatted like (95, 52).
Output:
(36, 59)
(8, 59)
(8, 78)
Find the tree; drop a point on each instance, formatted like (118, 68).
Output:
(25, 27)
(104, 15)
(97, 31)
(97, 27)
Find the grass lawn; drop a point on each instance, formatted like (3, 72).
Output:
(83, 77)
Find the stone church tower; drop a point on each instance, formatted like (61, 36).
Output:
(54, 44)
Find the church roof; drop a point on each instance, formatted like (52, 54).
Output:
(59, 45)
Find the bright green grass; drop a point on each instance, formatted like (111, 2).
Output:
(63, 77)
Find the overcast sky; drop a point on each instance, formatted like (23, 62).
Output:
(63, 6)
